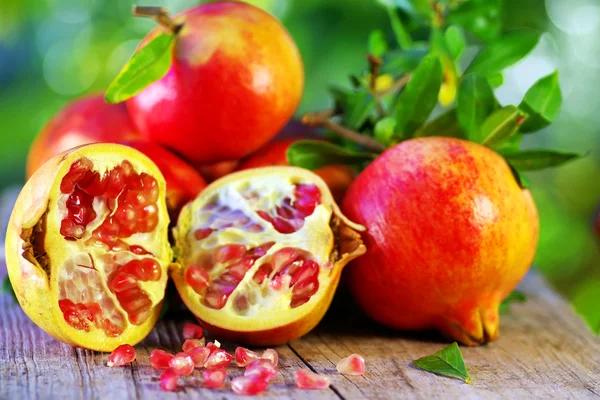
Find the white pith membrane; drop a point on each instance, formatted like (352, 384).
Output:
(229, 215)
(83, 266)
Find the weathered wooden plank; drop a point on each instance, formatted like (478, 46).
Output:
(544, 352)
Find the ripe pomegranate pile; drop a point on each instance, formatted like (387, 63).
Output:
(115, 205)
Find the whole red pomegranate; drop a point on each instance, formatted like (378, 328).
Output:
(86, 120)
(337, 177)
(449, 236)
(236, 78)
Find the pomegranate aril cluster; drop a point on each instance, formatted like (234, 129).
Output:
(289, 216)
(130, 197)
(130, 200)
(238, 260)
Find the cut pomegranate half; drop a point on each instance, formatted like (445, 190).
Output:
(260, 254)
(88, 245)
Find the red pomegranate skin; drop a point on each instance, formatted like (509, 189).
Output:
(449, 236)
(236, 78)
(86, 120)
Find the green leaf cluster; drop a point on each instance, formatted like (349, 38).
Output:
(418, 88)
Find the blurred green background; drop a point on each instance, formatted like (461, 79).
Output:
(52, 51)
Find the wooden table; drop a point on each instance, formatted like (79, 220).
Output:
(544, 351)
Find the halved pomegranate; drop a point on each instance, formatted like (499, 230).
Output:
(86, 248)
(260, 252)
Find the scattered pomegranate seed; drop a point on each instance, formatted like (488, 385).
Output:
(182, 364)
(124, 354)
(218, 358)
(354, 364)
(199, 356)
(159, 359)
(190, 344)
(248, 386)
(214, 378)
(243, 356)
(192, 331)
(213, 346)
(306, 379)
(261, 369)
(168, 380)
(271, 355)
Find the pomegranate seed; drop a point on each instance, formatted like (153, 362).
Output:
(354, 364)
(197, 278)
(244, 356)
(308, 271)
(124, 354)
(192, 331)
(261, 369)
(248, 386)
(218, 359)
(182, 364)
(213, 346)
(214, 378)
(215, 297)
(168, 380)
(160, 359)
(202, 233)
(271, 355)
(199, 356)
(229, 252)
(241, 303)
(306, 379)
(190, 344)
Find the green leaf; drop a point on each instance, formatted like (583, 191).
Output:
(445, 125)
(398, 62)
(533, 160)
(501, 125)
(377, 44)
(480, 17)
(542, 103)
(504, 52)
(448, 362)
(384, 130)
(510, 145)
(402, 36)
(147, 65)
(455, 41)
(358, 106)
(514, 297)
(313, 154)
(496, 80)
(7, 288)
(419, 97)
(475, 102)
(521, 179)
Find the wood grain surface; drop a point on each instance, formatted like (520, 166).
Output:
(544, 352)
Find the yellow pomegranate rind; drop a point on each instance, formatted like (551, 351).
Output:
(327, 234)
(36, 286)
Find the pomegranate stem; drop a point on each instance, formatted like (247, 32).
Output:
(322, 119)
(159, 14)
